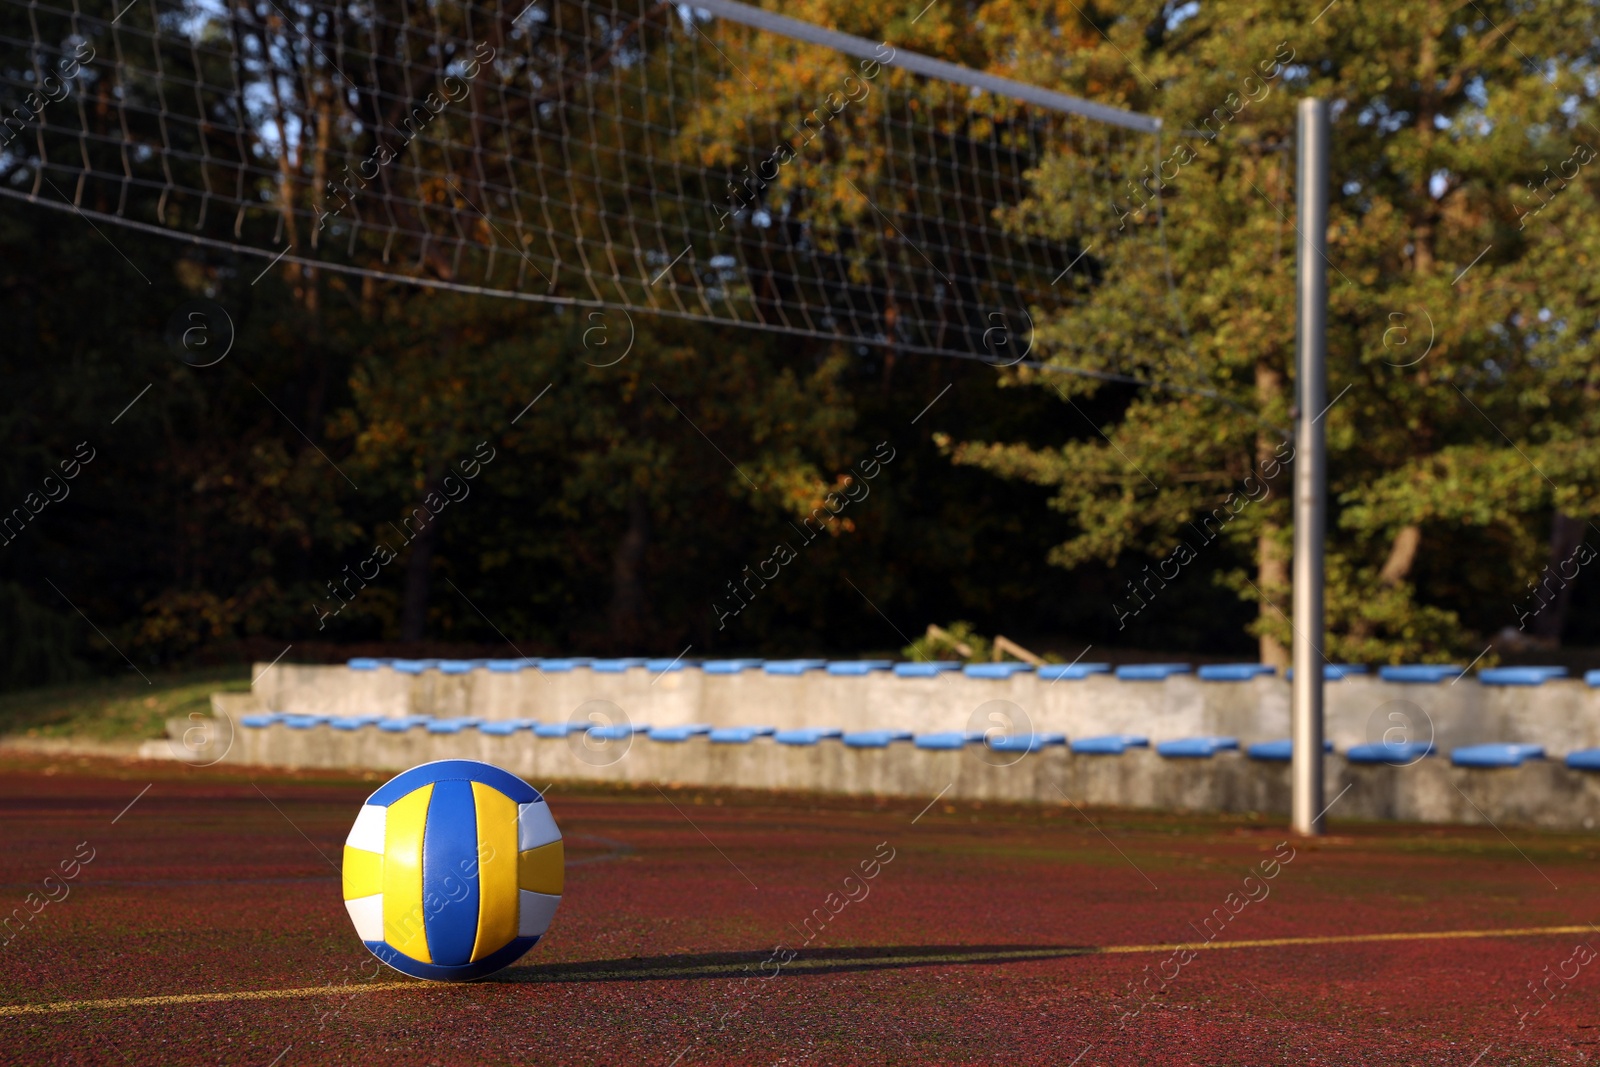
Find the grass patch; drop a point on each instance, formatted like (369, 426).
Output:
(124, 709)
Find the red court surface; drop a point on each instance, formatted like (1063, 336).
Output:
(208, 928)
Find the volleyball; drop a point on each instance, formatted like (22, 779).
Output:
(453, 870)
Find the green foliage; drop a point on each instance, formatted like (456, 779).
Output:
(1469, 407)
(40, 645)
(128, 708)
(225, 502)
(928, 647)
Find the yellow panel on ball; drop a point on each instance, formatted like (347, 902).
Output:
(542, 869)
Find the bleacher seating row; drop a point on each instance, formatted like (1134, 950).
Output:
(1485, 755)
(1415, 674)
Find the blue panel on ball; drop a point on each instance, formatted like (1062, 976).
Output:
(450, 873)
(467, 972)
(467, 770)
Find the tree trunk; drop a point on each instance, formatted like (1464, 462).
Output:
(1401, 555)
(627, 581)
(1566, 533)
(1272, 572)
(414, 606)
(1272, 567)
(419, 569)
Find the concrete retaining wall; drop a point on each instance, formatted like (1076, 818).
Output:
(1539, 793)
(1562, 715)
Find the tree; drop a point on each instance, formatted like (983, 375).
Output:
(1459, 333)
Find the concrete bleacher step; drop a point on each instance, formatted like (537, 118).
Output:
(1109, 770)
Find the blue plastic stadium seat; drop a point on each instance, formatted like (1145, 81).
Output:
(809, 735)
(1495, 755)
(508, 666)
(503, 727)
(852, 668)
(365, 663)
(616, 732)
(659, 666)
(1419, 673)
(730, 666)
(1109, 745)
(1072, 672)
(1150, 672)
(303, 722)
(353, 722)
(615, 666)
(257, 722)
(678, 733)
(411, 666)
(1585, 760)
(456, 666)
(793, 666)
(1591, 679)
(995, 671)
(451, 726)
(1025, 742)
(1233, 672)
(557, 665)
(1402, 752)
(926, 668)
(1196, 747)
(1332, 672)
(950, 739)
(875, 738)
(402, 723)
(1278, 751)
(558, 729)
(739, 735)
(1520, 675)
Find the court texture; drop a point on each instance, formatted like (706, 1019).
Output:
(202, 923)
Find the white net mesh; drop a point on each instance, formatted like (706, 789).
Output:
(720, 164)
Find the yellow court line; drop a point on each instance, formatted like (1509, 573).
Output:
(193, 998)
(57, 1007)
(1351, 939)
